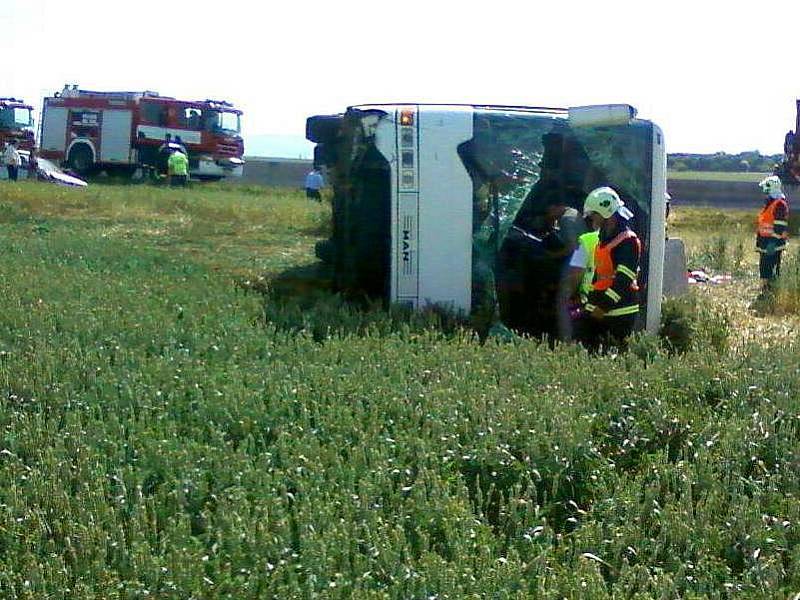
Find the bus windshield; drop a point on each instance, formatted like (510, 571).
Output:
(15, 118)
(524, 166)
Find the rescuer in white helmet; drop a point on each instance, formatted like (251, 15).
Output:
(773, 231)
(612, 300)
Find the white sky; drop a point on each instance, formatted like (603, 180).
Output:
(714, 76)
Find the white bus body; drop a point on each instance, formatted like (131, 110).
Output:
(440, 162)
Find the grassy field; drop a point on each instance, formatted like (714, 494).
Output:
(716, 176)
(184, 416)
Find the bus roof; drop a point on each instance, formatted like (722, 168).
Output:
(596, 115)
(389, 105)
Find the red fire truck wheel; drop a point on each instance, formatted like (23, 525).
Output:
(80, 159)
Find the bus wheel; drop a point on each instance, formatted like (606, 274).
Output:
(80, 159)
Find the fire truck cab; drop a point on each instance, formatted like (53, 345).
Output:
(89, 130)
(16, 123)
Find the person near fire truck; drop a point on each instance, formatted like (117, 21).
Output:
(177, 167)
(773, 232)
(12, 160)
(612, 303)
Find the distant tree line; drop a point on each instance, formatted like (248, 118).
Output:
(721, 161)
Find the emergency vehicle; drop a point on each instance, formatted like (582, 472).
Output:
(16, 123)
(426, 198)
(88, 131)
(789, 169)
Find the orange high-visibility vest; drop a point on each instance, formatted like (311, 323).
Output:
(766, 220)
(604, 267)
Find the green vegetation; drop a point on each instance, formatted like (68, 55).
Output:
(715, 176)
(752, 161)
(187, 413)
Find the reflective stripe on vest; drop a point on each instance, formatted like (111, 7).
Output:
(766, 220)
(588, 241)
(631, 309)
(604, 268)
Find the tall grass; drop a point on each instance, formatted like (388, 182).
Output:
(787, 295)
(719, 254)
(167, 432)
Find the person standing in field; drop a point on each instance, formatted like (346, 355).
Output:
(531, 258)
(612, 302)
(12, 159)
(772, 233)
(33, 166)
(314, 183)
(177, 168)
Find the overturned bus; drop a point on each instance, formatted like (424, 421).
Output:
(426, 197)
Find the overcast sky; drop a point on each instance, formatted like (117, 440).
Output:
(714, 76)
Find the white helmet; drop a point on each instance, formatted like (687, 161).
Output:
(605, 202)
(771, 185)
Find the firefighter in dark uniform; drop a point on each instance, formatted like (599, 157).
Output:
(612, 304)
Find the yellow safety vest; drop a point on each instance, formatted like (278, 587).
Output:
(178, 164)
(588, 241)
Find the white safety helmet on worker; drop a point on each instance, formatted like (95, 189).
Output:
(771, 186)
(605, 202)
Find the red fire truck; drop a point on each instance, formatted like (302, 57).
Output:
(16, 123)
(125, 131)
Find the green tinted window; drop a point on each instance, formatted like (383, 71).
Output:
(524, 166)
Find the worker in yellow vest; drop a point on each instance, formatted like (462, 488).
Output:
(577, 281)
(177, 167)
(587, 245)
(773, 231)
(612, 302)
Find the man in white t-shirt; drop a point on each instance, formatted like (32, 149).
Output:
(314, 184)
(12, 159)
